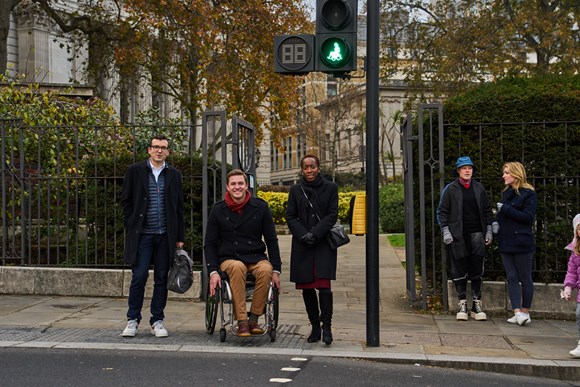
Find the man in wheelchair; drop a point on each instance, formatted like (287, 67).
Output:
(233, 244)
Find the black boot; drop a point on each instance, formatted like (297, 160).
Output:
(326, 316)
(311, 303)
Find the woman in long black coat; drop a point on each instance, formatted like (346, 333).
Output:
(312, 211)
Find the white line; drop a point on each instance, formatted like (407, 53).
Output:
(291, 369)
(280, 380)
(299, 359)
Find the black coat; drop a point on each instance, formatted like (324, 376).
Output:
(232, 236)
(301, 218)
(134, 201)
(450, 210)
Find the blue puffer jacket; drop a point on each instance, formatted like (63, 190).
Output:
(516, 219)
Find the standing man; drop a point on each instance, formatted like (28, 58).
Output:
(233, 244)
(152, 202)
(465, 218)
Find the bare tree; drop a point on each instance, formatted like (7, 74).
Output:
(337, 131)
(389, 134)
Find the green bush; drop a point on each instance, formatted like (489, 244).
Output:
(392, 208)
(279, 200)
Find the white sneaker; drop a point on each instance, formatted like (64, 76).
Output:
(523, 318)
(158, 330)
(462, 312)
(131, 329)
(512, 319)
(576, 352)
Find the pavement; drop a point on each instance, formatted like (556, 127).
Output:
(407, 335)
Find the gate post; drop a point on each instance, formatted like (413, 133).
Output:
(408, 138)
(217, 136)
(243, 151)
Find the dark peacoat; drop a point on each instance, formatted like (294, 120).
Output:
(301, 218)
(516, 221)
(232, 236)
(134, 200)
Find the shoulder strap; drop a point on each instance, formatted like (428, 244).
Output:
(309, 202)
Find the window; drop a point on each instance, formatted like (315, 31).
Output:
(331, 86)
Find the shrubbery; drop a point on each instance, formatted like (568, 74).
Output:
(279, 200)
(392, 208)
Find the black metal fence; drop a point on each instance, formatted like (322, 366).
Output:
(61, 189)
(549, 151)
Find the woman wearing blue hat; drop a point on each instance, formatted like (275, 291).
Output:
(465, 218)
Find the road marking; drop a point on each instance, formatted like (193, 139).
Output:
(291, 369)
(299, 359)
(280, 380)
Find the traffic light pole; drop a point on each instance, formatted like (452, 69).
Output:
(372, 182)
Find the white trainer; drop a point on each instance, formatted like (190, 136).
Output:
(523, 318)
(462, 312)
(512, 319)
(131, 329)
(576, 352)
(158, 330)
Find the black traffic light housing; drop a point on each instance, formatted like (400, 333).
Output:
(294, 54)
(336, 36)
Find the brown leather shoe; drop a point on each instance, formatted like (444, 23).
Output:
(255, 328)
(244, 329)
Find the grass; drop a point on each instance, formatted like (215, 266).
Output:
(396, 240)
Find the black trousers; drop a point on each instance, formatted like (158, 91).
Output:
(466, 259)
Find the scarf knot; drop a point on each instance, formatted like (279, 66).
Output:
(465, 183)
(237, 207)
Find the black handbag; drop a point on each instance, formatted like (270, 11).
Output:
(180, 277)
(337, 236)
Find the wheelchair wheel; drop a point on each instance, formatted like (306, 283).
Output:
(223, 335)
(276, 309)
(211, 309)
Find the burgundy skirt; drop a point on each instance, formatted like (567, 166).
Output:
(318, 283)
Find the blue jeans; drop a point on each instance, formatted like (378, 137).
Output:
(153, 249)
(518, 269)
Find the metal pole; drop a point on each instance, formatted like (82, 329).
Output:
(372, 183)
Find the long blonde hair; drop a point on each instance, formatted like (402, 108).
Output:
(517, 170)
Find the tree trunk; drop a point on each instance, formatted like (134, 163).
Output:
(6, 8)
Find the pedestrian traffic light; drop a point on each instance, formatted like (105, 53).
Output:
(336, 36)
(293, 54)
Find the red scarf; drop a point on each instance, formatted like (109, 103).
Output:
(237, 207)
(465, 183)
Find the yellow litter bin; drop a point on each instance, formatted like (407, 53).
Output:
(358, 212)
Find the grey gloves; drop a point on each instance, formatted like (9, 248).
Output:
(488, 235)
(447, 237)
(309, 239)
(495, 227)
(499, 206)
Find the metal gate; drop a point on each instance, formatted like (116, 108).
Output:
(430, 155)
(430, 148)
(221, 147)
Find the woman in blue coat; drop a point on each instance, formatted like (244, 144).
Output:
(312, 211)
(516, 213)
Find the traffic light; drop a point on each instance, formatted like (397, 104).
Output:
(336, 36)
(293, 54)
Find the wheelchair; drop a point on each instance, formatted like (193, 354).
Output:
(221, 303)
